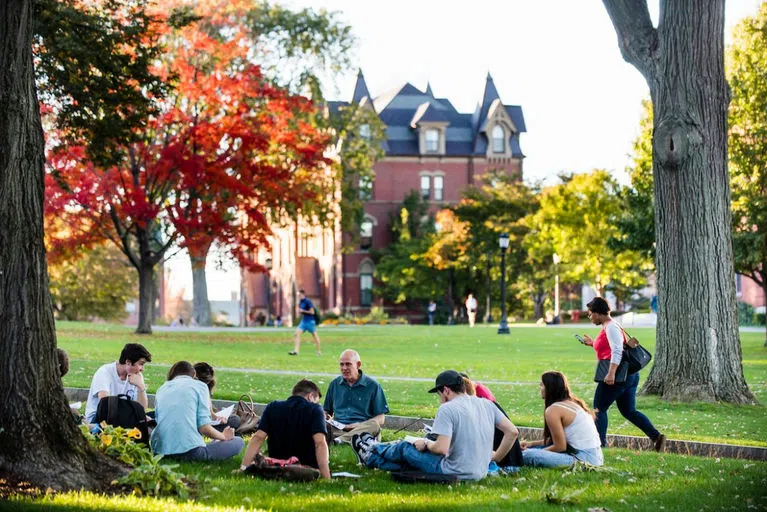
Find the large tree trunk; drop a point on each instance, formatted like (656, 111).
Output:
(539, 299)
(39, 442)
(698, 354)
(200, 302)
(146, 294)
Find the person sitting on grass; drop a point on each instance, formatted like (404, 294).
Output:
(295, 428)
(182, 405)
(121, 377)
(308, 324)
(355, 401)
(464, 426)
(569, 433)
(204, 373)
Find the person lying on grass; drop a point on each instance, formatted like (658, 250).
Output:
(569, 433)
(464, 426)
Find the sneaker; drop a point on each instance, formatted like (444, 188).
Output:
(659, 443)
(362, 447)
(292, 353)
(319, 354)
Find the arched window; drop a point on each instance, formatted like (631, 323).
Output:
(366, 234)
(432, 140)
(366, 283)
(499, 139)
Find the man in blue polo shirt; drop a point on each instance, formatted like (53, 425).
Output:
(355, 401)
(306, 310)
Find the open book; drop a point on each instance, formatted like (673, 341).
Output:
(223, 415)
(337, 424)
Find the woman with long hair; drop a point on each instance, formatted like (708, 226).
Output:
(609, 346)
(206, 375)
(569, 434)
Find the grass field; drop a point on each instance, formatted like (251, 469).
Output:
(510, 365)
(631, 480)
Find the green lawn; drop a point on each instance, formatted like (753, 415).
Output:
(422, 352)
(630, 481)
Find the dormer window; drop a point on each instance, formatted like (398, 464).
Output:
(499, 139)
(432, 140)
(365, 131)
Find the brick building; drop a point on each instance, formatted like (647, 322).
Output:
(430, 147)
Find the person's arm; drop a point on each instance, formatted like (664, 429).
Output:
(510, 434)
(589, 340)
(322, 454)
(209, 431)
(380, 419)
(529, 444)
(553, 418)
(254, 446)
(137, 379)
(615, 338)
(438, 447)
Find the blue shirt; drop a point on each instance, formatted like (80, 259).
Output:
(352, 404)
(182, 406)
(306, 305)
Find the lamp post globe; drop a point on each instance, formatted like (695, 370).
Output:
(503, 243)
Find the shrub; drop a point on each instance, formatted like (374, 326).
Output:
(376, 315)
(745, 314)
(148, 477)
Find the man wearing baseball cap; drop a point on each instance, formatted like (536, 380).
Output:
(464, 426)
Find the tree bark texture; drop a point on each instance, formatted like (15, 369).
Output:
(146, 295)
(698, 353)
(39, 441)
(200, 303)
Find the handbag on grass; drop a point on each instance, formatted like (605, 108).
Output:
(603, 367)
(247, 414)
(635, 355)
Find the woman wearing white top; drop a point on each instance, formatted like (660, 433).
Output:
(569, 433)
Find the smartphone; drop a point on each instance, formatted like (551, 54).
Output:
(579, 338)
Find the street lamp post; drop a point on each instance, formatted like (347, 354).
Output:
(503, 242)
(268, 265)
(557, 259)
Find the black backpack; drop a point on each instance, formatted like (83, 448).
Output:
(121, 411)
(317, 316)
(514, 457)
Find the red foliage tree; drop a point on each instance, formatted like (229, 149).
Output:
(229, 153)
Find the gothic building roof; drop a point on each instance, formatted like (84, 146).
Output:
(405, 109)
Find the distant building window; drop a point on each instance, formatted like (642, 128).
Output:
(366, 234)
(365, 131)
(366, 283)
(499, 139)
(366, 188)
(432, 140)
(438, 188)
(426, 187)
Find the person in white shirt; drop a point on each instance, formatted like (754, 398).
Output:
(569, 433)
(121, 377)
(471, 309)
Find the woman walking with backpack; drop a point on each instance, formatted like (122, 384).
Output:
(615, 386)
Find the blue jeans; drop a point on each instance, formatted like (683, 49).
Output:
(403, 455)
(624, 395)
(537, 456)
(215, 450)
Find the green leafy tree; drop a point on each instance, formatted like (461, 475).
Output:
(498, 204)
(747, 74)
(97, 283)
(575, 220)
(636, 223)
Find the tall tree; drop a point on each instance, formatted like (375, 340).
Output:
(747, 74)
(37, 443)
(698, 353)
